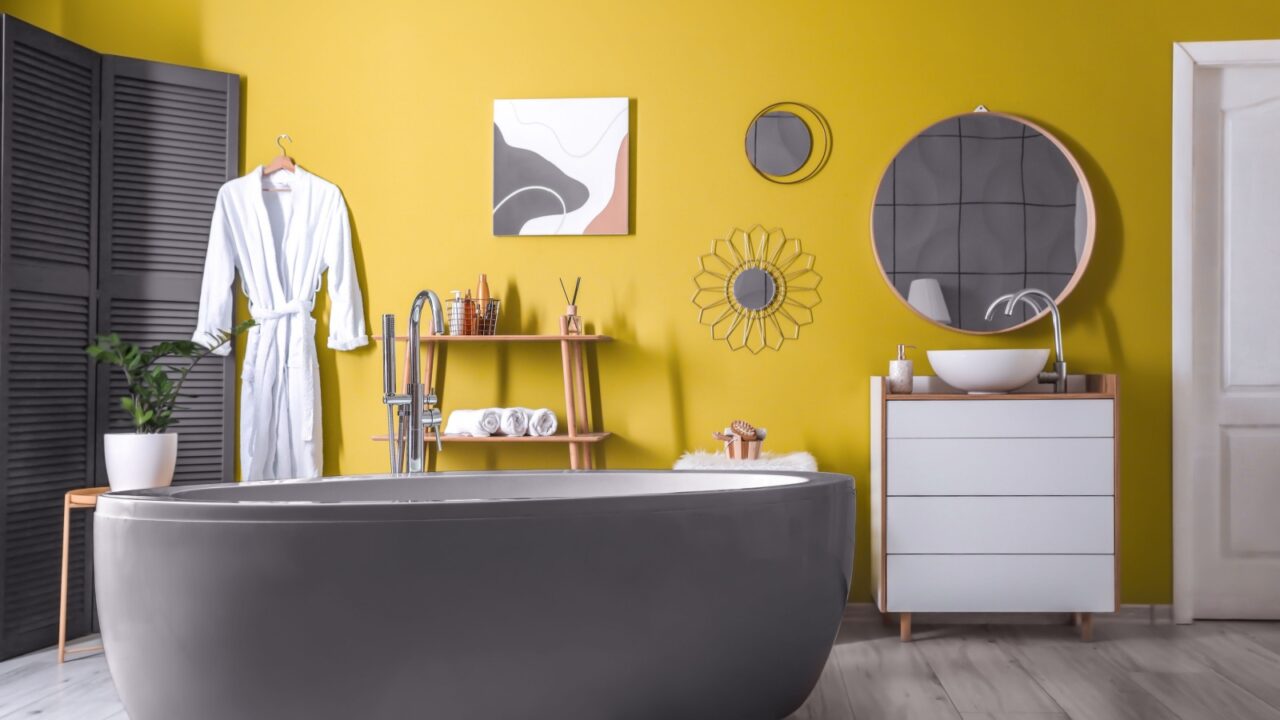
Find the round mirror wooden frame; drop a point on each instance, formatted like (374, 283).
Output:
(930, 293)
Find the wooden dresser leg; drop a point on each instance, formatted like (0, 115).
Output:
(904, 627)
(1086, 626)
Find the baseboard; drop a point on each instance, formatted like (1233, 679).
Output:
(1137, 613)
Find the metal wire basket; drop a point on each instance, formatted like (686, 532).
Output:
(473, 317)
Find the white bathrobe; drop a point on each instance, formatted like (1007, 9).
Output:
(281, 243)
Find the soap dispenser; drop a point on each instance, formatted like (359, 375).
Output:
(901, 372)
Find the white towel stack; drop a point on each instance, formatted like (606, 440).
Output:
(514, 422)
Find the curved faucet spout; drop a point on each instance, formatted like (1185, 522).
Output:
(1025, 296)
(1034, 297)
(437, 315)
(421, 415)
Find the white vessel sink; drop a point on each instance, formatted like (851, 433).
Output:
(988, 371)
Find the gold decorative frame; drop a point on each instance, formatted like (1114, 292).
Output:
(794, 297)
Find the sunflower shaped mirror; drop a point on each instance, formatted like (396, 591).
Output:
(756, 289)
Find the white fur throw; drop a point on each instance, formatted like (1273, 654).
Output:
(703, 460)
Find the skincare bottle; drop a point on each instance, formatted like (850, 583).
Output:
(456, 313)
(901, 372)
(468, 315)
(484, 324)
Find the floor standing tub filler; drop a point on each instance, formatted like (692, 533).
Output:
(594, 595)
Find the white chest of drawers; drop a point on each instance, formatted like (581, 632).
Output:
(994, 503)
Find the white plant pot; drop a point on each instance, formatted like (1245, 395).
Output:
(136, 462)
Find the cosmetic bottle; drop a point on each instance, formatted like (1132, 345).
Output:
(901, 372)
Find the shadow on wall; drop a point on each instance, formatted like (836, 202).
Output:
(330, 378)
(1108, 246)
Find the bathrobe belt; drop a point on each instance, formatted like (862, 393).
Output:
(296, 338)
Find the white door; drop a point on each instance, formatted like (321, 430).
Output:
(1231, 424)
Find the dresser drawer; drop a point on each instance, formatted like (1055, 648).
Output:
(1001, 583)
(995, 525)
(1000, 418)
(1004, 466)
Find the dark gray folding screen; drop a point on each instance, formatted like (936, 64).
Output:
(107, 168)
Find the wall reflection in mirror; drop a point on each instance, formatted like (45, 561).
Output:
(977, 206)
(778, 143)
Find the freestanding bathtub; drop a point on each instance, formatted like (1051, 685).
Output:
(495, 596)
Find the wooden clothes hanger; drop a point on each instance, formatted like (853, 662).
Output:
(282, 162)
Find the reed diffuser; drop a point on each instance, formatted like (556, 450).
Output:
(573, 321)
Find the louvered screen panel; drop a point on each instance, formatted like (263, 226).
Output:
(170, 139)
(48, 433)
(204, 414)
(48, 225)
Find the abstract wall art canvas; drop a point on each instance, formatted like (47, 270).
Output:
(560, 167)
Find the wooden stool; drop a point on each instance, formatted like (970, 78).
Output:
(85, 498)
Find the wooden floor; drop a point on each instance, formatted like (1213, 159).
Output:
(1133, 670)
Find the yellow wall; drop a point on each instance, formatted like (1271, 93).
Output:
(392, 101)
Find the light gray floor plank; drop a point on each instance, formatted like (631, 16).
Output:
(887, 678)
(1014, 716)
(1084, 682)
(1237, 657)
(1148, 648)
(1266, 634)
(980, 677)
(32, 678)
(829, 701)
(80, 689)
(1195, 696)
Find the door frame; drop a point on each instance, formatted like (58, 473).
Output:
(1187, 57)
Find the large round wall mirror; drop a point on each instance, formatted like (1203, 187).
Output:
(977, 206)
(788, 142)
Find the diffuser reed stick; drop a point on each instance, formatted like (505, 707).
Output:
(571, 311)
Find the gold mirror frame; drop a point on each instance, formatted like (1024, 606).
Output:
(819, 139)
(794, 296)
(1090, 222)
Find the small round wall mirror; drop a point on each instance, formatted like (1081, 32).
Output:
(788, 142)
(980, 205)
(754, 288)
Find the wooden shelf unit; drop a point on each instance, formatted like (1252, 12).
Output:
(577, 433)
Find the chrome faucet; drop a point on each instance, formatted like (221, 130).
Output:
(415, 408)
(1030, 296)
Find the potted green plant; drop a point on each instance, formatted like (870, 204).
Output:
(146, 457)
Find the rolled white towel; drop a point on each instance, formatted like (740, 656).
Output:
(477, 423)
(542, 422)
(513, 422)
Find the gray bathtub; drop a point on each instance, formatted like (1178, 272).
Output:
(496, 596)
